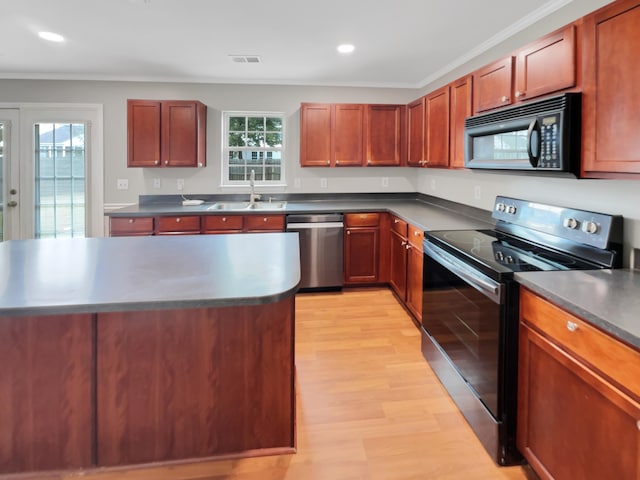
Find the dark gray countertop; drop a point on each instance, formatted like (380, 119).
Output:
(608, 299)
(41, 277)
(424, 213)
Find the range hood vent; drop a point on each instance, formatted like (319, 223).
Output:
(245, 58)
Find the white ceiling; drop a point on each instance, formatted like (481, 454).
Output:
(399, 43)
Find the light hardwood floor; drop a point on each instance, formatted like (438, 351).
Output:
(369, 407)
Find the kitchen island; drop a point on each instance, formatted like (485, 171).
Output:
(117, 351)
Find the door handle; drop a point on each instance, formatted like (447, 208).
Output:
(12, 203)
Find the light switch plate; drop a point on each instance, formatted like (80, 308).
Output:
(323, 183)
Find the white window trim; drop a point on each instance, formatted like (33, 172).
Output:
(224, 163)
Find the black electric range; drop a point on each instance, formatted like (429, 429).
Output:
(471, 300)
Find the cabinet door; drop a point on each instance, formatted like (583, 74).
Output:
(264, 223)
(182, 128)
(611, 75)
(130, 226)
(361, 253)
(555, 53)
(398, 267)
(348, 135)
(461, 108)
(315, 135)
(414, 281)
(492, 85)
(572, 423)
(384, 134)
(437, 128)
(143, 133)
(415, 154)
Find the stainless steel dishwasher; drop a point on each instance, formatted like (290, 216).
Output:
(321, 249)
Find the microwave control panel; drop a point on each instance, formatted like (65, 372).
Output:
(549, 141)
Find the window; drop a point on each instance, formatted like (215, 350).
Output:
(59, 180)
(253, 141)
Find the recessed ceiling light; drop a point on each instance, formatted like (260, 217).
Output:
(51, 37)
(346, 48)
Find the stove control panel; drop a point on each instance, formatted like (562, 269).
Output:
(591, 228)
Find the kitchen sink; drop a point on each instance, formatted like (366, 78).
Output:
(248, 206)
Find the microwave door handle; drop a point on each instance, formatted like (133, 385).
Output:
(534, 142)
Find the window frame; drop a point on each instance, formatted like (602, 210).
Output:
(226, 149)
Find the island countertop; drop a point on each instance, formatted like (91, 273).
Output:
(80, 275)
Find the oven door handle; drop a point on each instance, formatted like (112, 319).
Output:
(487, 286)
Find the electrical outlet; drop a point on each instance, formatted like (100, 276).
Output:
(296, 183)
(323, 183)
(477, 192)
(180, 184)
(156, 183)
(385, 182)
(122, 184)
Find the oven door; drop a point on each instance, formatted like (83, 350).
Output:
(462, 311)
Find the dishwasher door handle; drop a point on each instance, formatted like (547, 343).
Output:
(302, 226)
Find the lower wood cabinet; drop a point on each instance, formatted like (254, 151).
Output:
(362, 238)
(195, 224)
(578, 397)
(405, 270)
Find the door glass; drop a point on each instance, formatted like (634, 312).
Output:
(59, 180)
(509, 145)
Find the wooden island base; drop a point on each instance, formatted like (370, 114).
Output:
(121, 388)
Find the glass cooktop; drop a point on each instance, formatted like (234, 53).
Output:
(496, 252)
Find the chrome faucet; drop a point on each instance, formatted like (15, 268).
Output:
(253, 196)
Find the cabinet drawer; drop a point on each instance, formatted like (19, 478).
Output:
(615, 360)
(398, 225)
(131, 226)
(264, 222)
(222, 222)
(362, 219)
(415, 236)
(178, 224)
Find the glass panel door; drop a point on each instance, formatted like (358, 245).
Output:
(9, 205)
(60, 159)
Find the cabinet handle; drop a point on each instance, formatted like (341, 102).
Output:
(504, 98)
(166, 162)
(224, 219)
(395, 220)
(407, 246)
(368, 162)
(264, 219)
(519, 94)
(348, 232)
(403, 243)
(131, 220)
(337, 162)
(328, 162)
(572, 326)
(416, 234)
(156, 162)
(178, 220)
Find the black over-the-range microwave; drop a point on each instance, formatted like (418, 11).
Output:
(541, 135)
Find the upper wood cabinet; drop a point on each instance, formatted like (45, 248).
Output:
(331, 135)
(385, 135)
(547, 65)
(415, 130)
(544, 66)
(492, 85)
(436, 144)
(611, 93)
(460, 108)
(166, 133)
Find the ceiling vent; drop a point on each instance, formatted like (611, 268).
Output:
(245, 58)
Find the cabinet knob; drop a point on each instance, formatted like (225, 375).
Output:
(166, 162)
(348, 232)
(407, 246)
(368, 162)
(131, 220)
(572, 326)
(178, 220)
(395, 220)
(337, 162)
(519, 94)
(224, 219)
(504, 98)
(403, 243)
(157, 162)
(264, 219)
(328, 162)
(416, 233)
